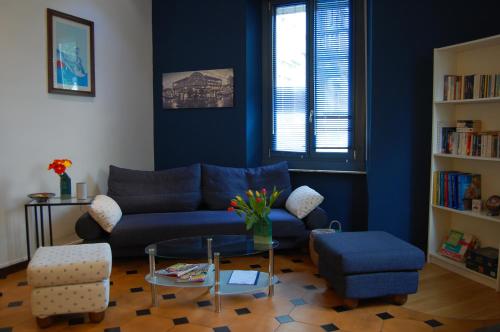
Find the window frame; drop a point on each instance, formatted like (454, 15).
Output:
(355, 158)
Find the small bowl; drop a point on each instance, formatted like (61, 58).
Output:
(41, 197)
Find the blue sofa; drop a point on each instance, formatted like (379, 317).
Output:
(190, 201)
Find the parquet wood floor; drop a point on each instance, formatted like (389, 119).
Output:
(302, 302)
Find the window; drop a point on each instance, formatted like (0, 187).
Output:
(314, 84)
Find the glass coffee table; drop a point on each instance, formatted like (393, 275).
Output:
(211, 248)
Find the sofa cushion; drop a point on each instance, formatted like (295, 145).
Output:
(221, 184)
(144, 229)
(176, 189)
(106, 212)
(302, 201)
(367, 252)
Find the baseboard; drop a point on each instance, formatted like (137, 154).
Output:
(4, 271)
(12, 263)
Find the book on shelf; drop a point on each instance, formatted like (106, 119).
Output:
(455, 190)
(457, 245)
(473, 86)
(465, 138)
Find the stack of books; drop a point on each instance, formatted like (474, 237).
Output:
(475, 86)
(455, 190)
(184, 272)
(483, 260)
(457, 245)
(465, 138)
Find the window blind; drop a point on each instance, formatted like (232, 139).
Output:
(332, 115)
(289, 79)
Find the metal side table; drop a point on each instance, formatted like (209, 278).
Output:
(38, 213)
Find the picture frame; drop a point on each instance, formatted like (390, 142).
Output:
(70, 54)
(195, 89)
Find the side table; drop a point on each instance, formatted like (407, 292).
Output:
(39, 216)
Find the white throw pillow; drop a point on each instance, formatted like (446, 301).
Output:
(302, 201)
(106, 212)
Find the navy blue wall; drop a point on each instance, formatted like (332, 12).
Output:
(393, 196)
(402, 37)
(194, 35)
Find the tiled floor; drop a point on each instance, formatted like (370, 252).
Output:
(302, 302)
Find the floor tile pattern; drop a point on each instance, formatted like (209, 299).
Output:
(302, 302)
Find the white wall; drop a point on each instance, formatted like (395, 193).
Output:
(115, 127)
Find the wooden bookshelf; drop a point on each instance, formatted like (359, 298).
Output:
(458, 156)
(475, 57)
(469, 101)
(468, 213)
(461, 269)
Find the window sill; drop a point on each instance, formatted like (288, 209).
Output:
(296, 170)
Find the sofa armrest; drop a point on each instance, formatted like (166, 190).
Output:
(88, 229)
(316, 219)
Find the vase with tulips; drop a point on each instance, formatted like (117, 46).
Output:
(256, 209)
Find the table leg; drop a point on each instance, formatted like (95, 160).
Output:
(217, 282)
(42, 226)
(152, 269)
(50, 226)
(271, 272)
(26, 219)
(36, 227)
(209, 251)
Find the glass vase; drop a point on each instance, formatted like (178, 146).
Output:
(65, 186)
(263, 232)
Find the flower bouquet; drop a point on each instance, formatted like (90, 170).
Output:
(60, 166)
(256, 212)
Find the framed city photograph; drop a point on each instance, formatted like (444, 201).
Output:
(70, 54)
(212, 88)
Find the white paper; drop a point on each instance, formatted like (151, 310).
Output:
(243, 277)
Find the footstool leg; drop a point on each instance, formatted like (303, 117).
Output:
(96, 317)
(399, 299)
(44, 322)
(351, 303)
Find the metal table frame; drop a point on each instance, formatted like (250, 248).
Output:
(213, 258)
(39, 222)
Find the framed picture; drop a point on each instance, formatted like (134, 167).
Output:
(198, 89)
(70, 54)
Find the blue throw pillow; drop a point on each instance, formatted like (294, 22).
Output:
(176, 189)
(221, 184)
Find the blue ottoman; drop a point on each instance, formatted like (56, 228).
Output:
(360, 265)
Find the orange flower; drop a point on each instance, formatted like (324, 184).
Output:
(230, 209)
(59, 169)
(60, 165)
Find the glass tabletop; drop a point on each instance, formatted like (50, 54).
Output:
(197, 247)
(61, 201)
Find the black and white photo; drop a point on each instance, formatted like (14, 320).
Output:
(198, 89)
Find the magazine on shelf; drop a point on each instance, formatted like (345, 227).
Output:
(184, 272)
(243, 277)
(198, 274)
(177, 269)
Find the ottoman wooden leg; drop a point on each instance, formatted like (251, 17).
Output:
(351, 303)
(399, 299)
(96, 317)
(44, 322)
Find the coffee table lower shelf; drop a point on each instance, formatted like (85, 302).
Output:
(225, 288)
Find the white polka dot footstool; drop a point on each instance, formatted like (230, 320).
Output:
(70, 279)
